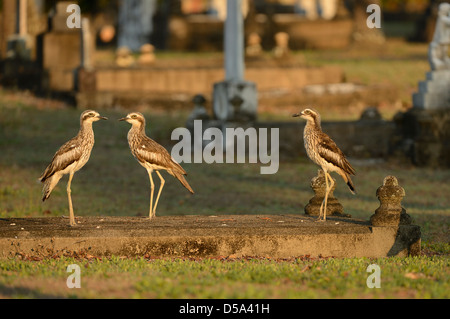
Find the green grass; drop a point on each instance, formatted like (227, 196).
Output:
(413, 277)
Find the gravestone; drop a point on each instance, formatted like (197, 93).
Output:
(281, 49)
(135, 23)
(198, 113)
(234, 99)
(425, 128)
(61, 50)
(124, 57)
(147, 56)
(434, 92)
(253, 48)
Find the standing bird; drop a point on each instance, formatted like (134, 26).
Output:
(152, 156)
(323, 151)
(71, 157)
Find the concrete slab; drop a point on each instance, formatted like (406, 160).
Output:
(275, 236)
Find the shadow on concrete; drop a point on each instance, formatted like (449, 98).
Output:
(408, 238)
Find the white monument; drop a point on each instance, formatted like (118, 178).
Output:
(438, 50)
(434, 92)
(234, 99)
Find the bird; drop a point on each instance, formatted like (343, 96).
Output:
(70, 158)
(323, 151)
(152, 156)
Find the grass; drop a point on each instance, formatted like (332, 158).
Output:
(113, 183)
(412, 277)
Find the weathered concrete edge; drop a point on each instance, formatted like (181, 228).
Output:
(399, 241)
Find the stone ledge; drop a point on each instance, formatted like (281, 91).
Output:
(276, 236)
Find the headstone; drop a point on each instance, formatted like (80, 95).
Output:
(390, 212)
(234, 99)
(59, 19)
(147, 56)
(253, 48)
(199, 112)
(66, 50)
(434, 92)
(124, 57)
(370, 113)
(135, 23)
(281, 49)
(318, 185)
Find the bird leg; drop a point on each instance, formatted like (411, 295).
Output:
(323, 205)
(321, 209)
(159, 192)
(329, 188)
(69, 191)
(152, 186)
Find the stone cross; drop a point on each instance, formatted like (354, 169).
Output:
(390, 212)
(318, 185)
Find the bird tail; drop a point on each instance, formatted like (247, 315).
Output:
(49, 185)
(350, 184)
(183, 181)
(348, 180)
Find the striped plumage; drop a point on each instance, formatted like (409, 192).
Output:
(152, 156)
(323, 151)
(71, 157)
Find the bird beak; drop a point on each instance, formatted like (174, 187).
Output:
(123, 119)
(297, 114)
(102, 117)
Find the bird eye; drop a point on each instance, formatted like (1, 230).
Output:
(133, 116)
(91, 114)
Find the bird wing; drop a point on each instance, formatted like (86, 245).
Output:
(328, 149)
(151, 152)
(70, 152)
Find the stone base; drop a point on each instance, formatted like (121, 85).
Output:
(425, 135)
(275, 236)
(434, 92)
(235, 101)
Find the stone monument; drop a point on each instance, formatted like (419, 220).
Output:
(434, 92)
(318, 185)
(281, 49)
(234, 99)
(425, 128)
(253, 48)
(390, 212)
(124, 57)
(147, 56)
(135, 23)
(198, 113)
